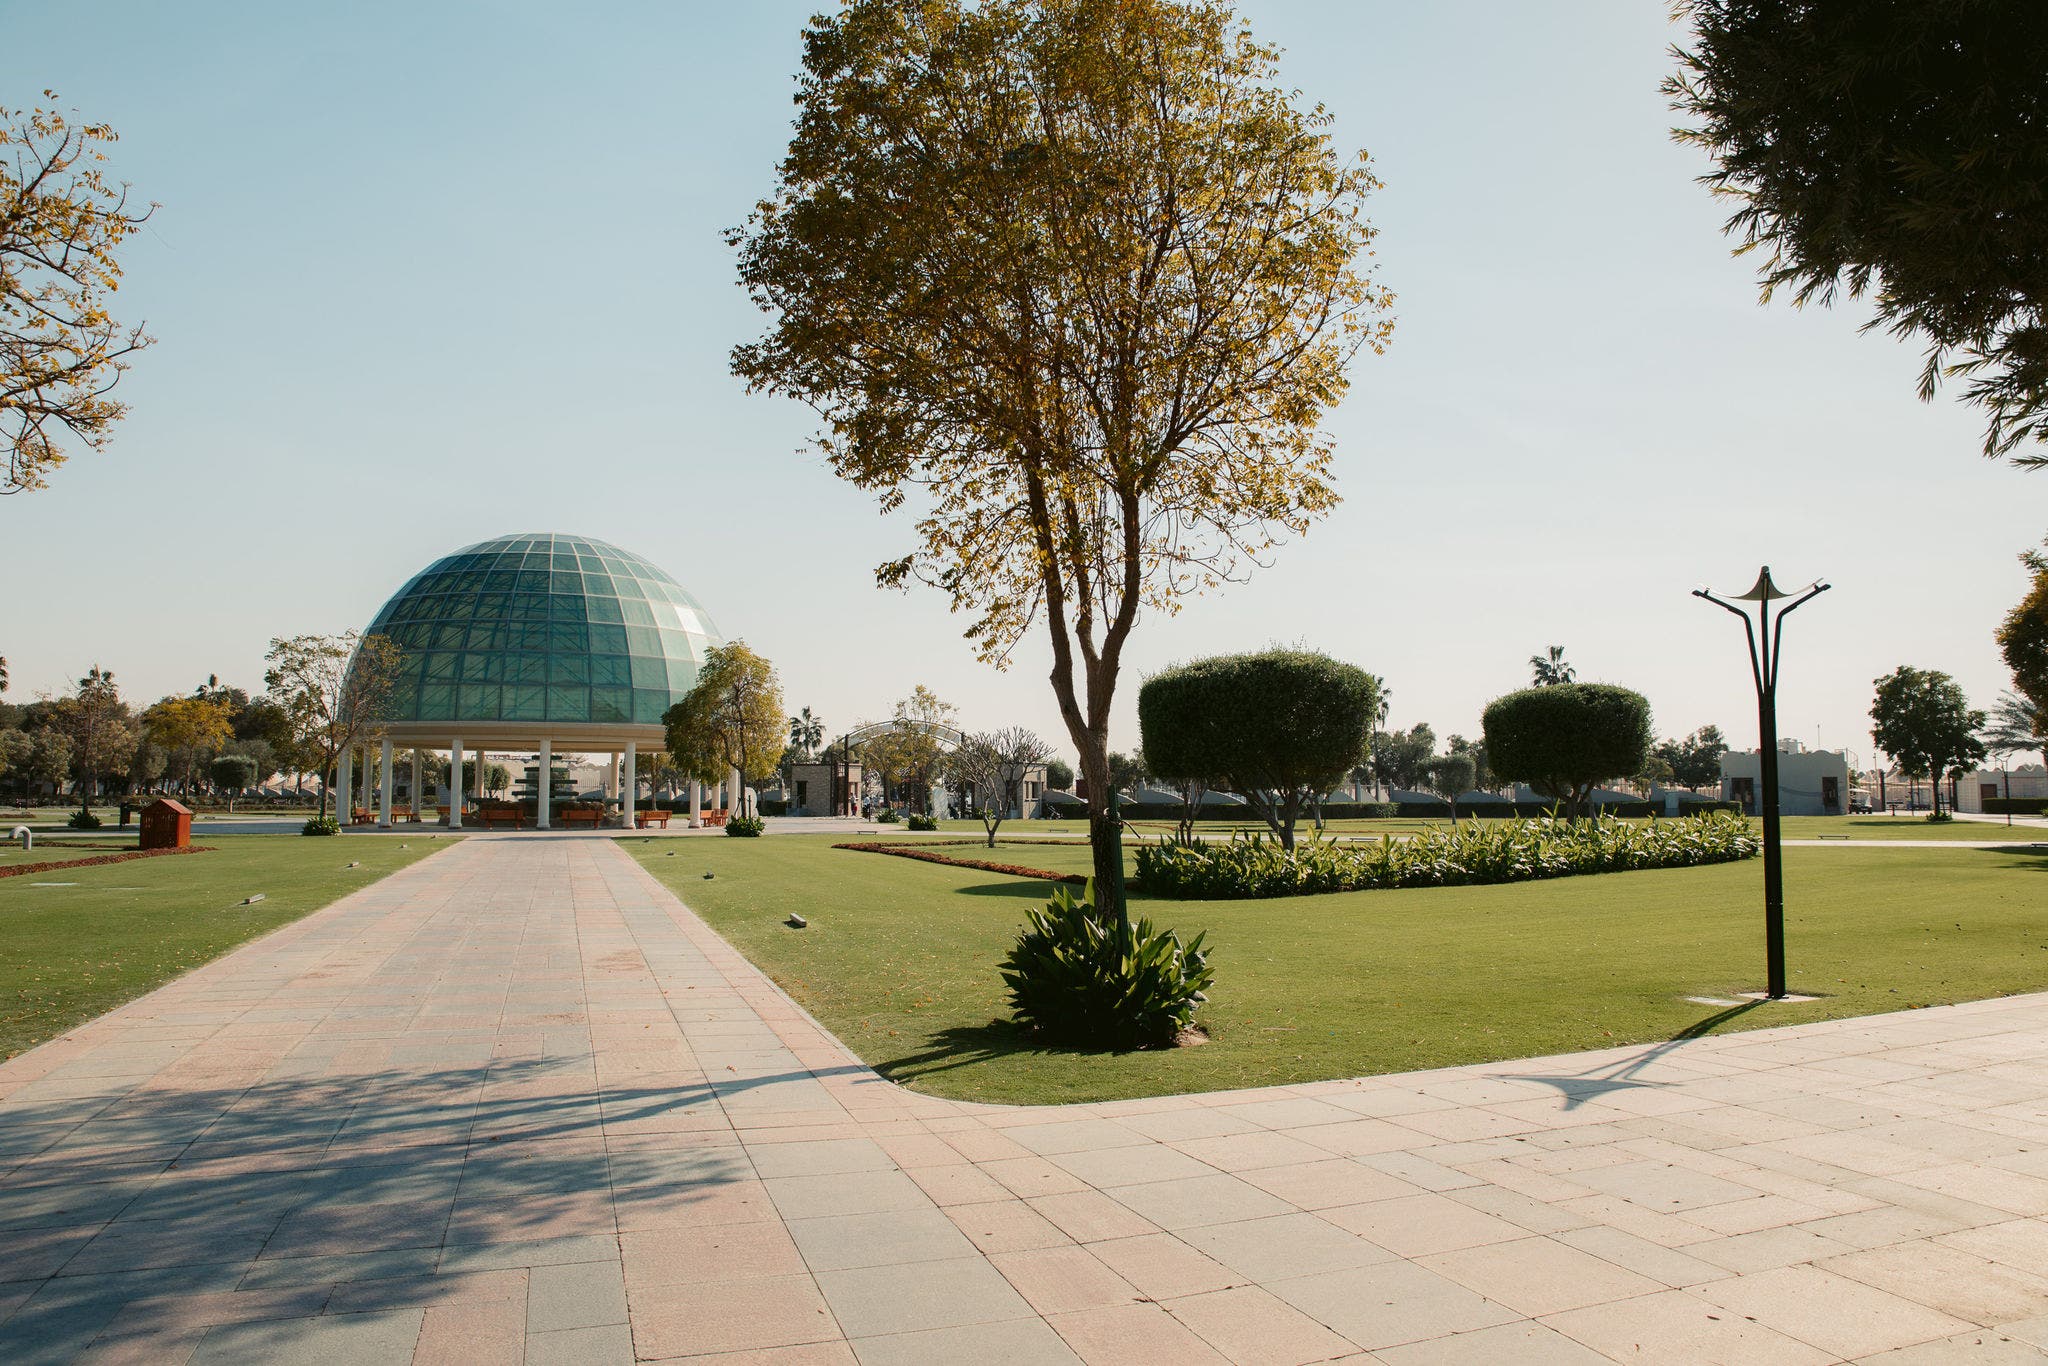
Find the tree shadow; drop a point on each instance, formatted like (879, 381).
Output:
(971, 1045)
(1579, 1087)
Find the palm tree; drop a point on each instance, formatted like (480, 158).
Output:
(805, 732)
(1551, 669)
(2017, 725)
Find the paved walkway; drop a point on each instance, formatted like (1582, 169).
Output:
(517, 1104)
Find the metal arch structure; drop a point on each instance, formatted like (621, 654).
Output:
(949, 737)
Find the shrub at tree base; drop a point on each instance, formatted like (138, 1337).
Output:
(745, 827)
(321, 825)
(1512, 851)
(887, 816)
(922, 823)
(1078, 980)
(84, 820)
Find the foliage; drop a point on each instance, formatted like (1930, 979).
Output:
(1563, 739)
(1126, 771)
(96, 722)
(924, 824)
(1451, 776)
(1442, 856)
(731, 719)
(1279, 728)
(1482, 772)
(61, 353)
(913, 752)
(321, 825)
(1695, 759)
(887, 816)
(2016, 724)
(186, 727)
(1399, 756)
(1079, 279)
(1898, 148)
(2023, 635)
(991, 765)
(1921, 718)
(233, 772)
(745, 827)
(1087, 981)
(333, 690)
(84, 819)
(806, 733)
(1549, 669)
(1939, 814)
(1059, 775)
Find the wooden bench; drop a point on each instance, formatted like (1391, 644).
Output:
(643, 819)
(714, 817)
(491, 813)
(577, 815)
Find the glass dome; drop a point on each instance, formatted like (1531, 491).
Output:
(543, 628)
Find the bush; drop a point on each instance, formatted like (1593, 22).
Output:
(82, 819)
(1941, 817)
(1473, 855)
(1564, 739)
(2017, 806)
(922, 822)
(773, 806)
(745, 827)
(1081, 981)
(887, 816)
(321, 825)
(1697, 806)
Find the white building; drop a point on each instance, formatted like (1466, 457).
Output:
(1811, 782)
(2025, 781)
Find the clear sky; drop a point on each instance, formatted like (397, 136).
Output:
(429, 273)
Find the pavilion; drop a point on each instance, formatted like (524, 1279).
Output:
(530, 644)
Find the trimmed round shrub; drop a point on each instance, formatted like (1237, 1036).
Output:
(1080, 980)
(746, 827)
(321, 825)
(1566, 739)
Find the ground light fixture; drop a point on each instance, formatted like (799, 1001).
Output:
(1765, 632)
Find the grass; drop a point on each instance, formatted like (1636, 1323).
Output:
(109, 934)
(900, 960)
(1795, 828)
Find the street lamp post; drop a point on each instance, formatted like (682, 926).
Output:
(1765, 635)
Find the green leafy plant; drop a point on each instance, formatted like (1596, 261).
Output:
(1939, 817)
(887, 816)
(922, 823)
(1506, 851)
(321, 825)
(1078, 979)
(746, 827)
(82, 819)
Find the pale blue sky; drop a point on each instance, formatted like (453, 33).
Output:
(430, 273)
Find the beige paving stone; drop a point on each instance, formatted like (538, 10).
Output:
(1253, 1327)
(1538, 1276)
(1005, 1226)
(1984, 1347)
(1198, 1200)
(1020, 1342)
(878, 1301)
(841, 1241)
(1327, 1183)
(1674, 1268)
(1163, 1267)
(1133, 1335)
(1390, 1303)
(1282, 1245)
(1677, 1328)
(1062, 1280)
(1090, 1216)
(1523, 1344)
(1950, 1280)
(1833, 1313)
(1416, 1225)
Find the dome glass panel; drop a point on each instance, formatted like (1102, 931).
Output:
(543, 628)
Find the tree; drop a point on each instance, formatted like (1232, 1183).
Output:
(233, 774)
(61, 226)
(991, 766)
(146, 765)
(1695, 759)
(95, 721)
(911, 755)
(1896, 148)
(1398, 756)
(2016, 725)
(334, 691)
(1450, 776)
(49, 757)
(1080, 278)
(186, 729)
(731, 720)
(806, 733)
(1549, 669)
(1126, 771)
(1482, 772)
(2023, 635)
(1279, 728)
(1921, 718)
(1059, 774)
(1563, 739)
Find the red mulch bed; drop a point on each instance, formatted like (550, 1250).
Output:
(20, 869)
(923, 852)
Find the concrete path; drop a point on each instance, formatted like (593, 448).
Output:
(517, 1104)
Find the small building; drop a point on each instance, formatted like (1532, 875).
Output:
(1811, 782)
(166, 824)
(821, 787)
(1975, 790)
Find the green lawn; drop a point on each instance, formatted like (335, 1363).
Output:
(92, 938)
(900, 959)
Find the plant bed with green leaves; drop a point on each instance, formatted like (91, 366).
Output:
(1462, 856)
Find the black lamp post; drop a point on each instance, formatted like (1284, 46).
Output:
(1764, 635)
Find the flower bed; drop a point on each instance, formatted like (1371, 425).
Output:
(1471, 855)
(923, 851)
(19, 869)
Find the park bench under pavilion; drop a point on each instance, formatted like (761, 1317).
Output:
(532, 645)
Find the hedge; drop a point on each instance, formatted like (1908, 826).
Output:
(2017, 806)
(1471, 855)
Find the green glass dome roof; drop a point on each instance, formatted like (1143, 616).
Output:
(543, 628)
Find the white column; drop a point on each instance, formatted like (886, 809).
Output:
(616, 794)
(739, 794)
(344, 783)
(696, 804)
(632, 784)
(384, 784)
(419, 801)
(547, 782)
(451, 791)
(480, 763)
(718, 798)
